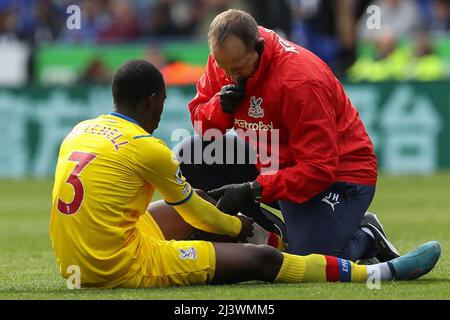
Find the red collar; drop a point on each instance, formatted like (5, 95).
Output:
(265, 57)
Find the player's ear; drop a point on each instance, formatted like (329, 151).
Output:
(149, 104)
(259, 45)
(151, 99)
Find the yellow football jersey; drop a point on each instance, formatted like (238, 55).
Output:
(108, 169)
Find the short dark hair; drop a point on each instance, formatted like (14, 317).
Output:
(234, 22)
(134, 80)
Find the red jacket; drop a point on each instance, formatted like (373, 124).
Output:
(321, 137)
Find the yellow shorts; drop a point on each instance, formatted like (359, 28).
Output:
(162, 263)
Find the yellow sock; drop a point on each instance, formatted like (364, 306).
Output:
(292, 269)
(319, 268)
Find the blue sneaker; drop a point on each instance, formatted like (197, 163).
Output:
(417, 262)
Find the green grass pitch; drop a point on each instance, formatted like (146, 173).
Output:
(413, 209)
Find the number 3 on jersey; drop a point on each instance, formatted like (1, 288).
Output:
(83, 160)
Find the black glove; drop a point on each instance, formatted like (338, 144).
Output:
(235, 198)
(231, 95)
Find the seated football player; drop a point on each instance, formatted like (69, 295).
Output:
(107, 172)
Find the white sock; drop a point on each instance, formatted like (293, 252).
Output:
(367, 230)
(381, 269)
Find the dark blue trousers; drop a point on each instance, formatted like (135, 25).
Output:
(330, 222)
(326, 224)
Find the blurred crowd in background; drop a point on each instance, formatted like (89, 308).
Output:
(412, 42)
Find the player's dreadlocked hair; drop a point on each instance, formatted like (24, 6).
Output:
(134, 80)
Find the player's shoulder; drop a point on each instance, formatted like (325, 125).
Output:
(85, 122)
(148, 140)
(150, 146)
(154, 153)
(89, 122)
(78, 128)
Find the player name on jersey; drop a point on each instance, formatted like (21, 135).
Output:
(112, 134)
